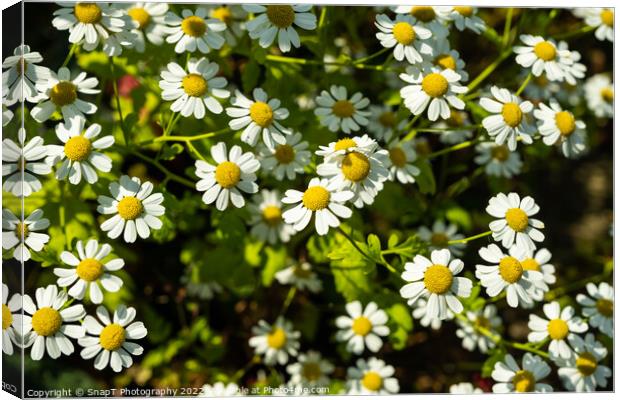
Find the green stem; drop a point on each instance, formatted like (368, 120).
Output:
(193, 149)
(289, 299)
(451, 129)
(381, 261)
(469, 239)
(456, 147)
(572, 33)
(118, 104)
(70, 55)
(488, 70)
(187, 138)
(524, 84)
(507, 24)
(303, 61)
(373, 55)
(169, 175)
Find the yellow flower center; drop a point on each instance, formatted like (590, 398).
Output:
(558, 329)
(545, 51)
(510, 269)
(398, 157)
(355, 166)
(523, 381)
(344, 144)
(311, 371)
(7, 317)
(445, 61)
(261, 113)
(439, 239)
(227, 174)
(512, 114)
(607, 94)
(343, 108)
(129, 208)
(277, 338)
(423, 13)
(87, 13)
(500, 153)
(403, 33)
(372, 381)
(285, 153)
(112, 337)
(435, 85)
(438, 279)
(195, 85)
(21, 230)
(316, 198)
(46, 321)
(222, 13)
(89, 269)
(586, 364)
(482, 322)
(517, 219)
(63, 93)
(605, 307)
(281, 16)
(194, 26)
(361, 326)
(456, 118)
(272, 215)
(78, 148)
(465, 11)
(387, 119)
(530, 264)
(140, 15)
(565, 122)
(607, 17)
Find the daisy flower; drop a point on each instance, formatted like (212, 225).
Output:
(408, 39)
(23, 74)
(560, 126)
(110, 340)
(220, 389)
(537, 260)
(233, 172)
(515, 223)
(89, 271)
(498, 160)
(469, 331)
(47, 325)
(135, 208)
(278, 20)
(440, 234)
(362, 328)
(599, 307)
(195, 89)
(194, 31)
(202, 290)
(234, 17)
(574, 70)
(600, 95)
(603, 20)
(60, 92)
(276, 342)
(323, 199)
(372, 376)
(24, 234)
(400, 163)
(383, 123)
(513, 378)
(507, 273)
(434, 89)
(453, 132)
(430, 17)
(301, 276)
(12, 320)
(30, 157)
(464, 388)
(508, 122)
(420, 311)
(337, 111)
(561, 324)
(310, 370)
(92, 23)
(540, 88)
(266, 218)
(463, 17)
(287, 159)
(79, 151)
(582, 372)
(149, 23)
(543, 56)
(256, 116)
(435, 280)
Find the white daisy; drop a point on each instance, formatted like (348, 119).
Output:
(48, 323)
(599, 307)
(452, 134)
(430, 17)
(30, 157)
(278, 20)
(434, 88)
(149, 23)
(469, 331)
(525, 379)
(515, 223)
(543, 56)
(23, 74)
(558, 126)
(440, 234)
(266, 218)
(540, 88)
(135, 209)
(498, 160)
(301, 276)
(202, 290)
(337, 111)
(599, 92)
(259, 115)
(362, 328)
(287, 159)
(60, 92)
(574, 70)
(538, 261)
(234, 172)
(408, 38)
(92, 23)
(507, 273)
(463, 17)
(89, 271)
(383, 123)
(509, 120)
(220, 389)
(561, 324)
(420, 311)
(310, 371)
(603, 20)
(110, 340)
(234, 17)
(583, 371)
(464, 388)
(401, 162)
(435, 280)
(194, 89)
(276, 342)
(24, 234)
(323, 199)
(194, 31)
(79, 151)
(12, 320)
(372, 376)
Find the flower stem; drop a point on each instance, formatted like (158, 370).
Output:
(488, 70)
(70, 55)
(524, 84)
(456, 147)
(303, 61)
(506, 36)
(118, 104)
(289, 299)
(169, 175)
(469, 239)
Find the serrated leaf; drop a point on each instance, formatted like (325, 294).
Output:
(374, 246)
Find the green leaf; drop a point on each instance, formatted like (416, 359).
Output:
(249, 78)
(401, 324)
(426, 179)
(459, 216)
(374, 246)
(351, 269)
(276, 260)
(169, 152)
(497, 355)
